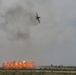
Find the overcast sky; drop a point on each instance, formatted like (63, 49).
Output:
(53, 41)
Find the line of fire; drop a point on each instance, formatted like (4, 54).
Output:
(19, 65)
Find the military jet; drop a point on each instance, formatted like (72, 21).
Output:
(37, 17)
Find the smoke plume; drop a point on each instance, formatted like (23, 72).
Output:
(16, 19)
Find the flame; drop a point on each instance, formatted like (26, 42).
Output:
(19, 65)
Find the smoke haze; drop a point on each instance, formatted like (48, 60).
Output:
(50, 42)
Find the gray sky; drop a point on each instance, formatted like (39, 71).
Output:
(53, 41)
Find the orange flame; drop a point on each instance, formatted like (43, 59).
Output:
(18, 65)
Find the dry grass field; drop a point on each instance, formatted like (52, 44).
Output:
(36, 72)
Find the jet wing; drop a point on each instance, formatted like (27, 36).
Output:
(38, 20)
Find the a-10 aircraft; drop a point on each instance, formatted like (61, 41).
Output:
(37, 17)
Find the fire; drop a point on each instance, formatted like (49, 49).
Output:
(19, 65)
